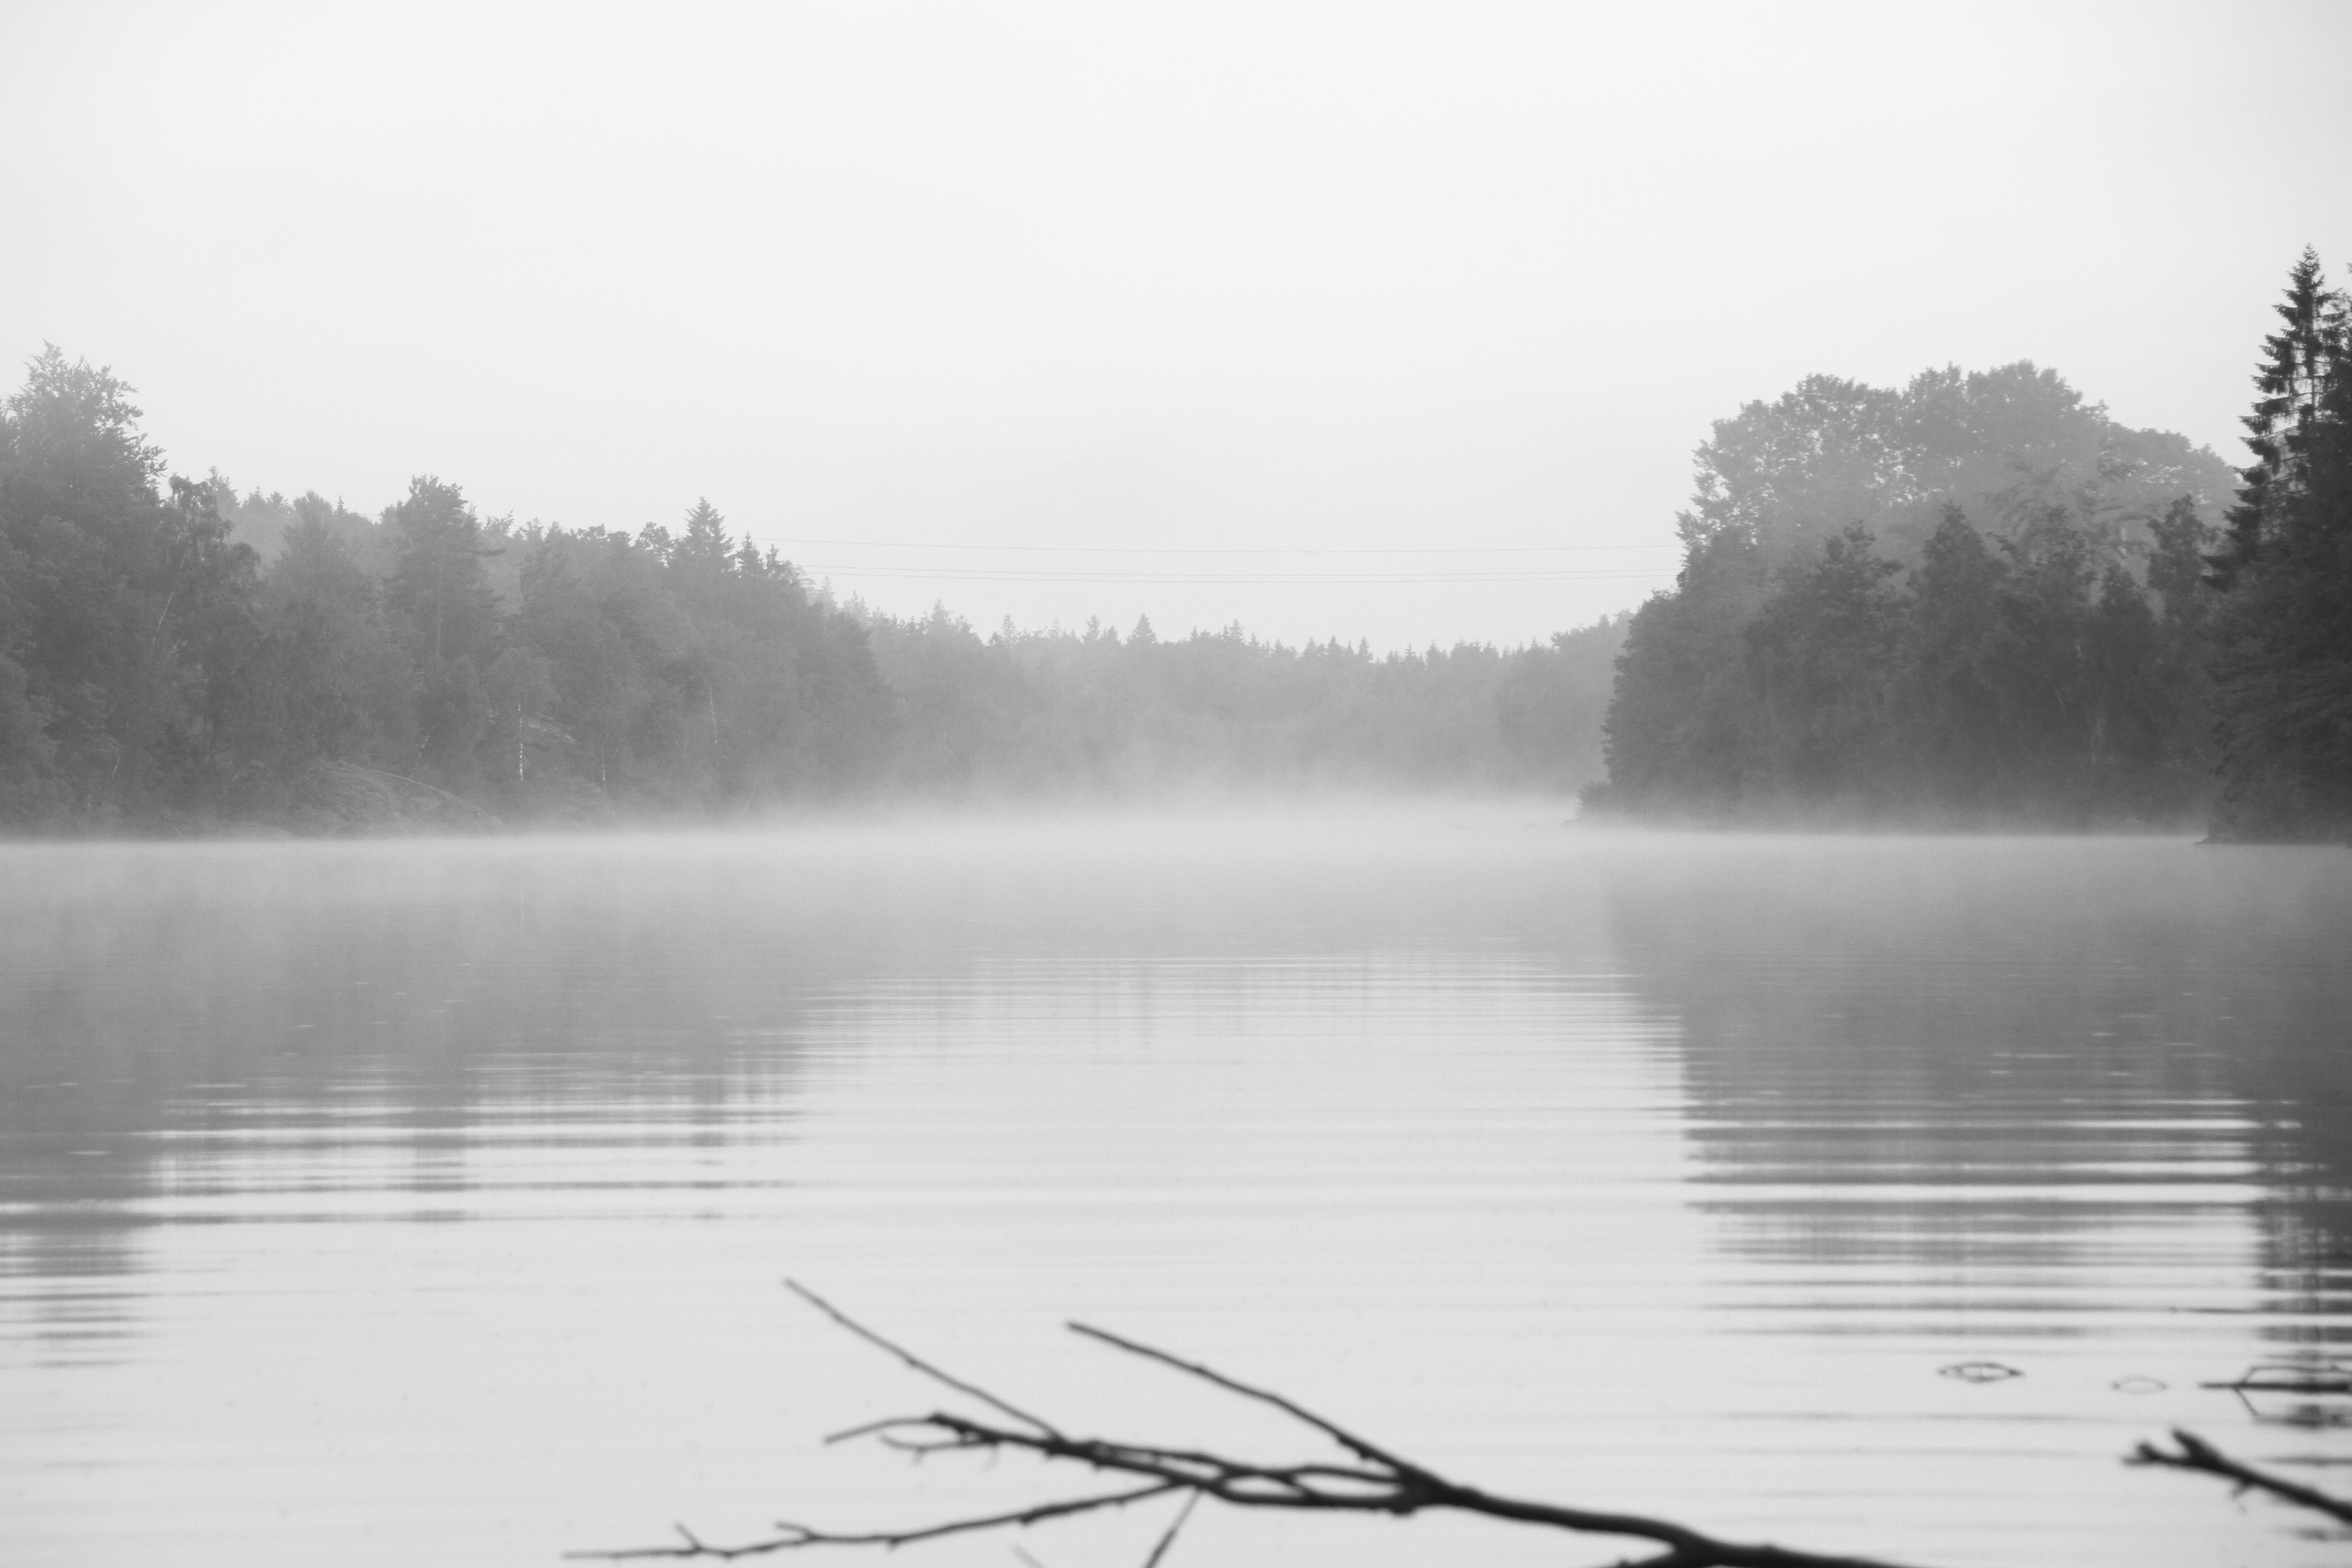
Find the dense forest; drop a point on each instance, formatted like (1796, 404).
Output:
(176, 655)
(1977, 600)
(1974, 600)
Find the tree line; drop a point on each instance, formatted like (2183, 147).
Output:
(1978, 600)
(1973, 600)
(174, 653)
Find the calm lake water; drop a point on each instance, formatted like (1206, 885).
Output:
(429, 1203)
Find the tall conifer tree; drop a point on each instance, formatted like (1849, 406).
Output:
(2283, 662)
(2298, 361)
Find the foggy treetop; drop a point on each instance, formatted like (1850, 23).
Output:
(2004, 446)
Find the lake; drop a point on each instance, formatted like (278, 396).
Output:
(430, 1202)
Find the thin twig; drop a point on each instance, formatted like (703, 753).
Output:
(1174, 1525)
(1338, 1434)
(911, 1358)
(793, 1537)
(2196, 1454)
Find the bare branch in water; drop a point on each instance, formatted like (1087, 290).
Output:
(1340, 1434)
(1378, 1481)
(2196, 1454)
(911, 1358)
(792, 1537)
(1191, 1501)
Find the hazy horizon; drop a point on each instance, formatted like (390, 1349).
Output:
(1744, 946)
(1365, 323)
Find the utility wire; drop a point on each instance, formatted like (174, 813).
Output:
(984, 574)
(1219, 550)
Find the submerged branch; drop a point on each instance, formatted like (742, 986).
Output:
(1379, 1482)
(793, 1536)
(2198, 1454)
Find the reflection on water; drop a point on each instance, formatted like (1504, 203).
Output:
(389, 1203)
(2014, 1051)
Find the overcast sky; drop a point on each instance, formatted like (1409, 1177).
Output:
(1393, 322)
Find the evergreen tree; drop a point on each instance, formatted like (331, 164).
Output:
(2282, 664)
(705, 548)
(2298, 362)
(437, 583)
(441, 595)
(1823, 653)
(1681, 729)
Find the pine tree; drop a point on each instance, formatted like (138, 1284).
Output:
(453, 621)
(2283, 668)
(706, 546)
(437, 579)
(2297, 362)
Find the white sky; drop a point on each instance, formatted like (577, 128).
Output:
(1458, 280)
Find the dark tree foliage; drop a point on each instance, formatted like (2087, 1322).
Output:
(1682, 722)
(2283, 670)
(155, 674)
(686, 673)
(126, 612)
(1973, 601)
(1822, 651)
(1950, 721)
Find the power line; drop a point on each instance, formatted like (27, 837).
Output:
(983, 574)
(1219, 550)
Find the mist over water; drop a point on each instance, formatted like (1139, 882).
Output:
(1044, 665)
(429, 1200)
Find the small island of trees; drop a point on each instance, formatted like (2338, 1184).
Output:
(1978, 600)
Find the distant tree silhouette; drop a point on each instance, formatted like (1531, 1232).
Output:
(2043, 667)
(125, 610)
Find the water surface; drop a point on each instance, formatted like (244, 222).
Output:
(429, 1202)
